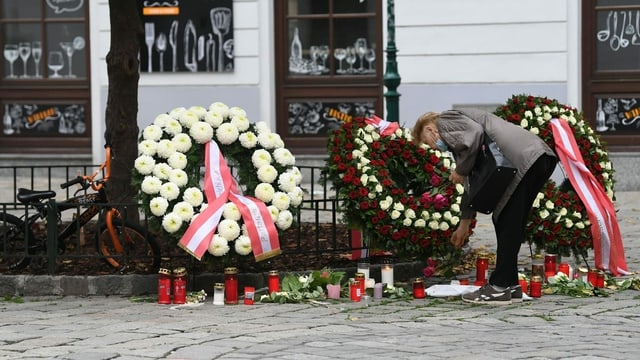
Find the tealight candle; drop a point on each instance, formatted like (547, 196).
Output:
(377, 291)
(363, 267)
(387, 274)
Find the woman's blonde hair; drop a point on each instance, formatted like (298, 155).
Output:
(428, 118)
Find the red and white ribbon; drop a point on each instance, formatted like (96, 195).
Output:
(385, 128)
(220, 187)
(607, 240)
(359, 249)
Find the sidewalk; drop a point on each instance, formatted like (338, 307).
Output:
(551, 327)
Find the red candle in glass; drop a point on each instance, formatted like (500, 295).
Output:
(418, 289)
(231, 285)
(564, 268)
(360, 277)
(550, 264)
(600, 279)
(524, 285)
(482, 267)
(274, 281)
(592, 277)
(179, 285)
(164, 286)
(354, 290)
(535, 287)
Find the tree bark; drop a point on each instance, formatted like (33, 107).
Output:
(122, 101)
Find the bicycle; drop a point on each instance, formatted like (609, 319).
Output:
(125, 246)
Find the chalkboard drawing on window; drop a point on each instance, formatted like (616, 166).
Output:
(44, 120)
(193, 36)
(617, 114)
(321, 118)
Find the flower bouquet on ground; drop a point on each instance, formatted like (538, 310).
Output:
(300, 288)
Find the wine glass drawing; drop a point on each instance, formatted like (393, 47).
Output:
(68, 48)
(361, 49)
(314, 52)
(370, 56)
(323, 52)
(24, 49)
(340, 54)
(36, 52)
(11, 55)
(351, 58)
(55, 62)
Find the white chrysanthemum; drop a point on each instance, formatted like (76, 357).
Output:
(214, 119)
(177, 160)
(260, 158)
(227, 133)
(219, 246)
(158, 206)
(243, 245)
(175, 112)
(144, 164)
(188, 118)
(240, 122)
(274, 211)
(152, 132)
(179, 177)
(165, 148)
(184, 210)
(284, 157)
(169, 191)
(231, 212)
(296, 196)
(268, 140)
(171, 223)
(200, 111)
(296, 173)
(173, 127)
(162, 171)
(193, 196)
(281, 200)
(285, 219)
(229, 229)
(267, 173)
(147, 147)
(161, 120)
(264, 192)
(248, 140)
(236, 111)
(220, 108)
(262, 127)
(201, 132)
(150, 185)
(182, 142)
(286, 182)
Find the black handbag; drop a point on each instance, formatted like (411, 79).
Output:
(490, 176)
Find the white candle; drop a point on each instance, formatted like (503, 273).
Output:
(387, 274)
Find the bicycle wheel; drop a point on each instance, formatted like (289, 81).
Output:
(15, 244)
(134, 250)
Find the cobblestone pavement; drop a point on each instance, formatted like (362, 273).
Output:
(551, 327)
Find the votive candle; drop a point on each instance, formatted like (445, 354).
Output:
(377, 291)
(387, 274)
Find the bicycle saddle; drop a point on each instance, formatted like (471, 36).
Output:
(27, 196)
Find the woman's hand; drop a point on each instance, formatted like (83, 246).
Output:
(460, 236)
(456, 178)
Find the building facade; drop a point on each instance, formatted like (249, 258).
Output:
(305, 66)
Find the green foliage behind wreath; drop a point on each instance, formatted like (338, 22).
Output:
(559, 222)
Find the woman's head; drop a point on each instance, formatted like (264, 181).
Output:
(425, 131)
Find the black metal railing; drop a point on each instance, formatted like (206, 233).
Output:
(317, 229)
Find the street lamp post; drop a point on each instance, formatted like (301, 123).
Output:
(391, 76)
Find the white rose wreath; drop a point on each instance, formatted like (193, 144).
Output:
(168, 171)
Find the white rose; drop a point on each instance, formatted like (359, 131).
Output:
(549, 204)
(420, 223)
(444, 226)
(395, 214)
(433, 225)
(407, 222)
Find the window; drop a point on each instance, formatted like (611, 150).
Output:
(44, 80)
(327, 67)
(611, 71)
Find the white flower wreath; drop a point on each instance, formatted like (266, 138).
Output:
(168, 172)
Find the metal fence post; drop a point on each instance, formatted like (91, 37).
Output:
(52, 236)
(391, 76)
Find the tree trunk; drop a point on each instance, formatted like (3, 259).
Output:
(122, 102)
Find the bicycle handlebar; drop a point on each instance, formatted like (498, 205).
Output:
(87, 180)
